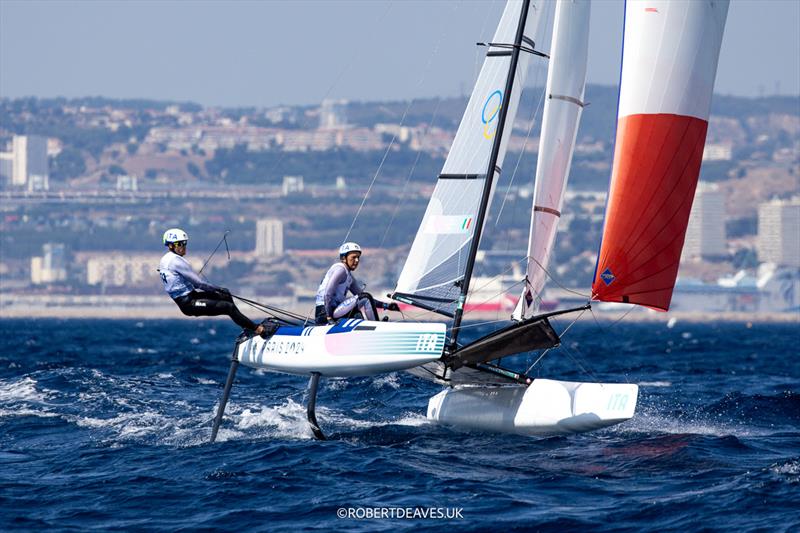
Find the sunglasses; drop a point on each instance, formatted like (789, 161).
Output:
(180, 243)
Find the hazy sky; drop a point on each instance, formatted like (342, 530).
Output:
(265, 53)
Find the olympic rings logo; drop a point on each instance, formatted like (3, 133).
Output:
(492, 105)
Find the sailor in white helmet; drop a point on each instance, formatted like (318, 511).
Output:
(194, 295)
(332, 302)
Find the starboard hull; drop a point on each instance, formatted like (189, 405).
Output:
(352, 347)
(546, 407)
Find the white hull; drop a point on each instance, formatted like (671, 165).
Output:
(546, 407)
(352, 347)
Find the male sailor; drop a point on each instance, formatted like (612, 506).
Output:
(194, 295)
(332, 301)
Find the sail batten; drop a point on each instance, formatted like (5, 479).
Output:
(669, 64)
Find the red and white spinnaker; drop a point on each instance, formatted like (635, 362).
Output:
(669, 63)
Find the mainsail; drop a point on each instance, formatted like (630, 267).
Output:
(669, 63)
(566, 81)
(435, 268)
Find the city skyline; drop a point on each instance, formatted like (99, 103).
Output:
(272, 53)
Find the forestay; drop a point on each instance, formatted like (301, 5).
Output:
(566, 82)
(437, 261)
(669, 64)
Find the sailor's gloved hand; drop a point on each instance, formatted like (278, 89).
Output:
(224, 292)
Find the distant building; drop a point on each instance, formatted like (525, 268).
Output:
(30, 159)
(123, 270)
(691, 295)
(779, 232)
(401, 133)
(332, 114)
(717, 152)
(38, 182)
(292, 184)
(51, 266)
(280, 114)
(705, 235)
(771, 290)
(127, 183)
(269, 237)
(6, 167)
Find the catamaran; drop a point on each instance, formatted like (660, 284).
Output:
(670, 53)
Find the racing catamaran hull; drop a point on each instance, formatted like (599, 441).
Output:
(545, 407)
(352, 347)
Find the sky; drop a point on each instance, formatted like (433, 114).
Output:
(243, 53)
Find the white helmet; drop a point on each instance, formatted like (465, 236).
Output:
(348, 247)
(174, 235)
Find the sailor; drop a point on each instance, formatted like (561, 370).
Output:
(332, 301)
(195, 296)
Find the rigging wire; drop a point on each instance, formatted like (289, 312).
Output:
(376, 25)
(375, 176)
(223, 239)
(617, 321)
(560, 335)
(569, 353)
(605, 329)
(274, 311)
(504, 291)
(583, 368)
(476, 324)
(519, 158)
(553, 278)
(419, 83)
(411, 172)
(494, 296)
(442, 305)
(539, 107)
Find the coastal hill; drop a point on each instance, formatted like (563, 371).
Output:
(121, 171)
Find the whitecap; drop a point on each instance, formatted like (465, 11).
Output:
(655, 383)
(790, 470)
(224, 434)
(22, 390)
(412, 420)
(408, 420)
(26, 411)
(389, 380)
(286, 420)
(658, 424)
(336, 384)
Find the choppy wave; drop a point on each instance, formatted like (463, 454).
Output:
(114, 435)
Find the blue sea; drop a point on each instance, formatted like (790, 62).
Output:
(105, 424)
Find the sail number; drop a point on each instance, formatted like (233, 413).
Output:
(427, 342)
(617, 402)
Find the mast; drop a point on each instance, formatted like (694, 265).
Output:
(490, 171)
